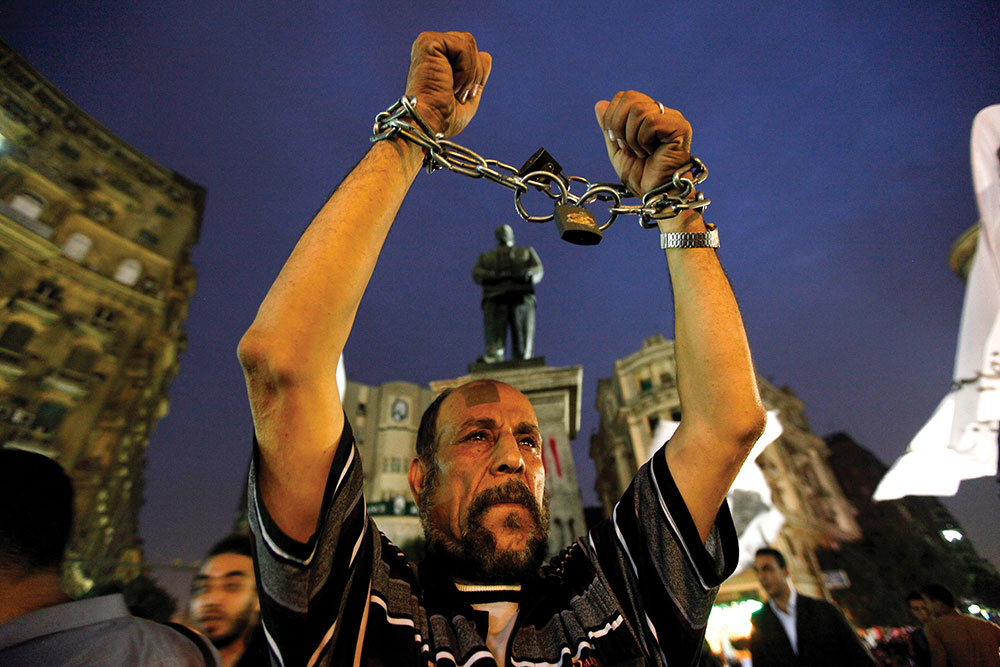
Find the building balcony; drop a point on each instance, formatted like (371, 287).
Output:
(71, 383)
(47, 310)
(37, 226)
(105, 335)
(11, 364)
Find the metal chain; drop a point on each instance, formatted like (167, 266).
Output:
(664, 201)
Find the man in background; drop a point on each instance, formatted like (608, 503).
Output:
(39, 623)
(956, 639)
(224, 603)
(921, 649)
(793, 629)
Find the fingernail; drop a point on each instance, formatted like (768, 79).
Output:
(475, 90)
(621, 144)
(465, 95)
(611, 135)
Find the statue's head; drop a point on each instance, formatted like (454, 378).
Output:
(505, 235)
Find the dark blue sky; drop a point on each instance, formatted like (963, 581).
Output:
(836, 135)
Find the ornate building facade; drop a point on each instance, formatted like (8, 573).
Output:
(643, 391)
(95, 279)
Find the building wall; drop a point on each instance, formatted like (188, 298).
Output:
(385, 419)
(643, 391)
(95, 279)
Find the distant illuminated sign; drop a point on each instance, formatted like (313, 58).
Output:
(951, 535)
(396, 507)
(836, 580)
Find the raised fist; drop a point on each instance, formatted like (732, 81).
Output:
(645, 144)
(447, 75)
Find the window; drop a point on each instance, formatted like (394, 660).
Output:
(16, 336)
(104, 317)
(645, 384)
(81, 359)
(654, 421)
(77, 246)
(47, 294)
(49, 416)
(69, 151)
(148, 238)
(163, 212)
(128, 272)
(28, 205)
(666, 379)
(675, 415)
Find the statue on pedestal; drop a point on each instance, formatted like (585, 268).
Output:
(508, 274)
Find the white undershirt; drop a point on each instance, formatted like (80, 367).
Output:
(788, 620)
(503, 615)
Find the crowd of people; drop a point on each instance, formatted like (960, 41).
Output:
(317, 583)
(793, 629)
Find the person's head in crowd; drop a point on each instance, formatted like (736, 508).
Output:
(772, 572)
(224, 604)
(36, 516)
(479, 482)
(940, 600)
(918, 607)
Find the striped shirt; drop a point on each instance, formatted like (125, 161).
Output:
(637, 590)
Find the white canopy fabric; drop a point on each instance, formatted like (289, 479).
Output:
(960, 439)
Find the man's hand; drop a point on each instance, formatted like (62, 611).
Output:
(447, 75)
(644, 146)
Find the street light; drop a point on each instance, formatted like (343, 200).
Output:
(951, 535)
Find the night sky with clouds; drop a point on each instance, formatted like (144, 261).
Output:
(836, 135)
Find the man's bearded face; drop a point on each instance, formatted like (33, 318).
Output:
(482, 502)
(224, 598)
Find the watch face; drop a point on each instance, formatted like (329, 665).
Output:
(400, 410)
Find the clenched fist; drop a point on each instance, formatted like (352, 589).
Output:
(645, 146)
(447, 75)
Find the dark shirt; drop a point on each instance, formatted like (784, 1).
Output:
(636, 591)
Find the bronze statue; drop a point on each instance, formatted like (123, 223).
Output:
(508, 274)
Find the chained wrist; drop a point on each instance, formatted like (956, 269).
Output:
(402, 121)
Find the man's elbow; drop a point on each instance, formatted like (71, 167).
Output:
(264, 363)
(745, 428)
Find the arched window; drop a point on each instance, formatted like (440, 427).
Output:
(128, 272)
(49, 416)
(28, 204)
(16, 336)
(77, 246)
(81, 359)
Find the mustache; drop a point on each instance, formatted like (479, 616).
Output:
(514, 491)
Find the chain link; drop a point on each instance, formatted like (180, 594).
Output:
(664, 201)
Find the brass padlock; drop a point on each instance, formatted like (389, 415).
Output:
(577, 225)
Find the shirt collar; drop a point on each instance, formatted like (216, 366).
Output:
(62, 617)
(793, 599)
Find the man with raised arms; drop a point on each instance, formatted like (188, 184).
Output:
(334, 591)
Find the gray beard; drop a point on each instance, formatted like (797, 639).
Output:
(475, 557)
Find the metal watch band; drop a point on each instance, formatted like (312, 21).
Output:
(707, 239)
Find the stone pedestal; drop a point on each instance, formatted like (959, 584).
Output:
(555, 395)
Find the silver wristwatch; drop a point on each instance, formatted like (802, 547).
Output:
(706, 239)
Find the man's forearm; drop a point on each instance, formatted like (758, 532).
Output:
(721, 411)
(716, 382)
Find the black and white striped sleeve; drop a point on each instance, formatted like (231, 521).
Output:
(313, 595)
(662, 574)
